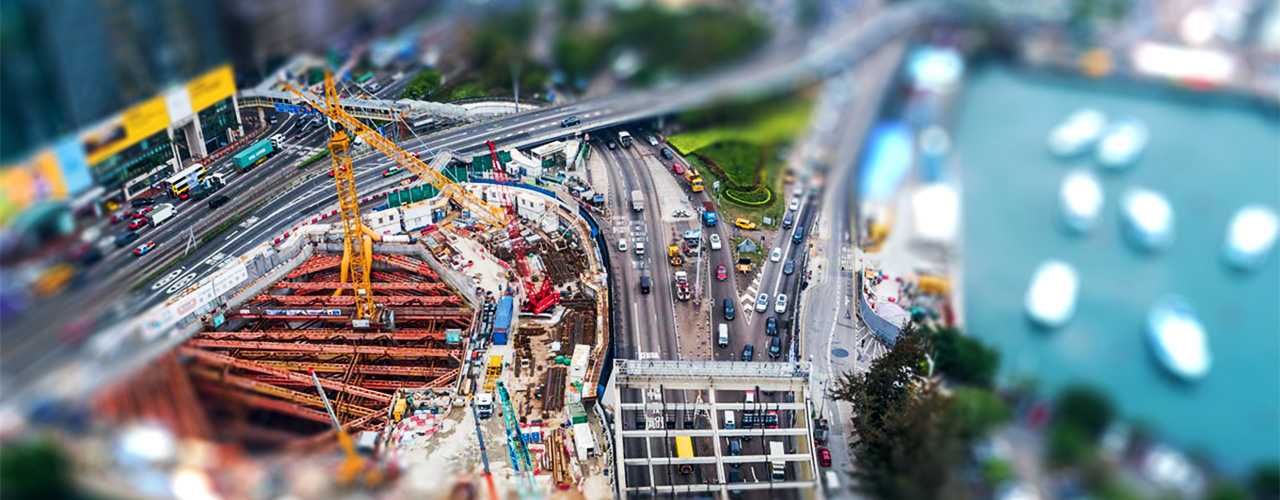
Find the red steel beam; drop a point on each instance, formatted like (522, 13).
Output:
(289, 394)
(363, 369)
(334, 285)
(406, 263)
(389, 385)
(408, 334)
(254, 366)
(294, 409)
(404, 352)
(316, 264)
(346, 300)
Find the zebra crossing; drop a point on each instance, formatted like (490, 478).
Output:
(635, 233)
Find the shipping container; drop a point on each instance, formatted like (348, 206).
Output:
(252, 155)
(502, 319)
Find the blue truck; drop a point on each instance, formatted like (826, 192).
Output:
(502, 320)
(708, 214)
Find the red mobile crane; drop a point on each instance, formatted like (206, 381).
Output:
(541, 299)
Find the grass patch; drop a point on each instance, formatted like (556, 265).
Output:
(744, 156)
(779, 125)
(314, 158)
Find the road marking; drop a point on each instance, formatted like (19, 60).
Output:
(181, 283)
(160, 283)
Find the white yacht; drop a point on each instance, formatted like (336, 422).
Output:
(1148, 219)
(1080, 199)
(1124, 140)
(1077, 133)
(1177, 338)
(1051, 298)
(1251, 236)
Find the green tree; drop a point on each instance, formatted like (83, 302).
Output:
(33, 470)
(1085, 408)
(905, 434)
(1264, 480)
(424, 85)
(978, 411)
(962, 358)
(1068, 445)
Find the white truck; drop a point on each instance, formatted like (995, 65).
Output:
(484, 405)
(682, 285)
(625, 138)
(775, 458)
(637, 200)
(163, 212)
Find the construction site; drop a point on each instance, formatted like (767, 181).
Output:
(466, 355)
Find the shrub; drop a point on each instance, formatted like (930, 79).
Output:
(754, 197)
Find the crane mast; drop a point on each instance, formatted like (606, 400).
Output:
(357, 246)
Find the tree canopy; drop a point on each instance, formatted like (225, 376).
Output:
(962, 358)
(905, 431)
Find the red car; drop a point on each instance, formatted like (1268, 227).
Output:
(773, 418)
(138, 223)
(330, 172)
(677, 168)
(141, 212)
(721, 272)
(144, 248)
(117, 218)
(183, 196)
(824, 456)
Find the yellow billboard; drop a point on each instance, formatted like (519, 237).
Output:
(137, 123)
(207, 89)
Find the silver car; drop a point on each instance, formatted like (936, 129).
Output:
(780, 307)
(762, 303)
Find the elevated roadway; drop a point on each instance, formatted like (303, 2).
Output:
(38, 348)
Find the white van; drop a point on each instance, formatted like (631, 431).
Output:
(728, 420)
(724, 335)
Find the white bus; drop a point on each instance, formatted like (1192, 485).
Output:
(180, 182)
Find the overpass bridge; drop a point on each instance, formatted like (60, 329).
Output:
(410, 111)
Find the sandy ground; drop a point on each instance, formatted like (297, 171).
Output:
(485, 270)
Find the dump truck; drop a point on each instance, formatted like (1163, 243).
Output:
(682, 285)
(694, 180)
(674, 255)
(637, 200)
(709, 214)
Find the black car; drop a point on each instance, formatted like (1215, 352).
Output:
(789, 268)
(218, 201)
(126, 238)
(666, 154)
(749, 352)
(612, 145)
(728, 310)
(570, 121)
(143, 202)
(771, 326)
(775, 347)
(788, 220)
(798, 236)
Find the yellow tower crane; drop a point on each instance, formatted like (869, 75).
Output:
(358, 239)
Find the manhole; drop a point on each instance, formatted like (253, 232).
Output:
(839, 353)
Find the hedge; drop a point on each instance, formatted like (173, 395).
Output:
(314, 158)
(756, 197)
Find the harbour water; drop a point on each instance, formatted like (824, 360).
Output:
(1209, 160)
